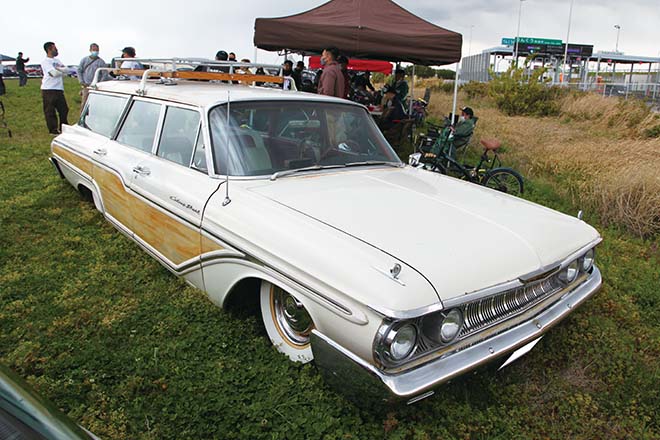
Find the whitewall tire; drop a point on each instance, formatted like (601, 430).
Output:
(288, 324)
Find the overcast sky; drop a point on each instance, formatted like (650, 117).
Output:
(198, 28)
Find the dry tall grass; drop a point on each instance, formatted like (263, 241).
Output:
(597, 147)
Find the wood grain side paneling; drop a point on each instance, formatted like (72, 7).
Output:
(177, 241)
(209, 245)
(80, 162)
(174, 239)
(115, 197)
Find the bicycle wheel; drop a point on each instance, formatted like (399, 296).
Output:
(505, 180)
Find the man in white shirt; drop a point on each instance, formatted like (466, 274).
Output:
(52, 89)
(129, 52)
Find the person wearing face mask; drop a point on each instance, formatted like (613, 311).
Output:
(464, 128)
(455, 136)
(52, 89)
(86, 71)
(331, 82)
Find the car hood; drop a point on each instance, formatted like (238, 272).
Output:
(460, 236)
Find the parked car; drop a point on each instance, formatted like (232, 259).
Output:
(34, 71)
(392, 279)
(26, 415)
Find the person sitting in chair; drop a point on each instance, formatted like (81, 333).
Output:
(458, 136)
(393, 109)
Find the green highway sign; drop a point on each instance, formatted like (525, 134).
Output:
(529, 40)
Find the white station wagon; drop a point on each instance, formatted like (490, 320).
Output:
(234, 185)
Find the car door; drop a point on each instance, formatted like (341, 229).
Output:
(82, 143)
(117, 164)
(176, 185)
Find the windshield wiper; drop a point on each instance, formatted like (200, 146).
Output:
(283, 173)
(375, 162)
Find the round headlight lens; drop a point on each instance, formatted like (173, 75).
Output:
(570, 272)
(588, 260)
(402, 341)
(442, 327)
(451, 325)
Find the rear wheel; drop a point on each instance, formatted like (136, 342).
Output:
(287, 323)
(505, 180)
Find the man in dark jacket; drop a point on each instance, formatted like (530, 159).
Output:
(20, 69)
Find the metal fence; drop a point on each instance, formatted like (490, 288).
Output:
(645, 91)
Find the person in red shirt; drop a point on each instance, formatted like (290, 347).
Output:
(332, 79)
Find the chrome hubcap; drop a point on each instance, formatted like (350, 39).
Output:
(291, 317)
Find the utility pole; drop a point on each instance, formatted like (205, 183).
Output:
(515, 51)
(470, 43)
(568, 34)
(618, 31)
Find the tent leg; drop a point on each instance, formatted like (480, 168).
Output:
(412, 91)
(412, 98)
(453, 108)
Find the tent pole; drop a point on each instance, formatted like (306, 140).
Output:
(412, 92)
(453, 108)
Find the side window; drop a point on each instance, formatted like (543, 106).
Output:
(199, 159)
(178, 136)
(102, 113)
(139, 128)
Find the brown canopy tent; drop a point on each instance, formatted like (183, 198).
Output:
(376, 29)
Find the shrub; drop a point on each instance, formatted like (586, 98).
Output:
(446, 74)
(516, 94)
(475, 89)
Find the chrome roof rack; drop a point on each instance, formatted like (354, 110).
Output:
(200, 69)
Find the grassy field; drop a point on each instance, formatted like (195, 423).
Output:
(131, 352)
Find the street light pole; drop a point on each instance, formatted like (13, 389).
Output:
(618, 30)
(568, 34)
(515, 51)
(470, 43)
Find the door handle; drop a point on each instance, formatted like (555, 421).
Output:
(100, 152)
(142, 171)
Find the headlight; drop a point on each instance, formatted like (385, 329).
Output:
(401, 341)
(443, 327)
(588, 260)
(570, 272)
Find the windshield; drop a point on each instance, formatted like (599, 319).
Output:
(269, 137)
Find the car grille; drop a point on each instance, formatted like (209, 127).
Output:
(481, 314)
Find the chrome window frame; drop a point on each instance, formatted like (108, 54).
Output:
(119, 120)
(167, 105)
(211, 151)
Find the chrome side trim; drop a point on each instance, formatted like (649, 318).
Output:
(349, 373)
(343, 310)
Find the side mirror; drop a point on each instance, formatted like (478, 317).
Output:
(414, 159)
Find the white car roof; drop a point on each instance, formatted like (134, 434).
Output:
(205, 94)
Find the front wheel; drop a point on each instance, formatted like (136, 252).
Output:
(287, 323)
(505, 180)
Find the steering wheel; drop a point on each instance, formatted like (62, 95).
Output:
(349, 146)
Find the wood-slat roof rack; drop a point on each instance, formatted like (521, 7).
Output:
(169, 69)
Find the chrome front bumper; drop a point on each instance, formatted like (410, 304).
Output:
(361, 380)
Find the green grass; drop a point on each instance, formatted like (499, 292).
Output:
(131, 352)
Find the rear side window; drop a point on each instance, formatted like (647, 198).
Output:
(102, 113)
(177, 139)
(139, 128)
